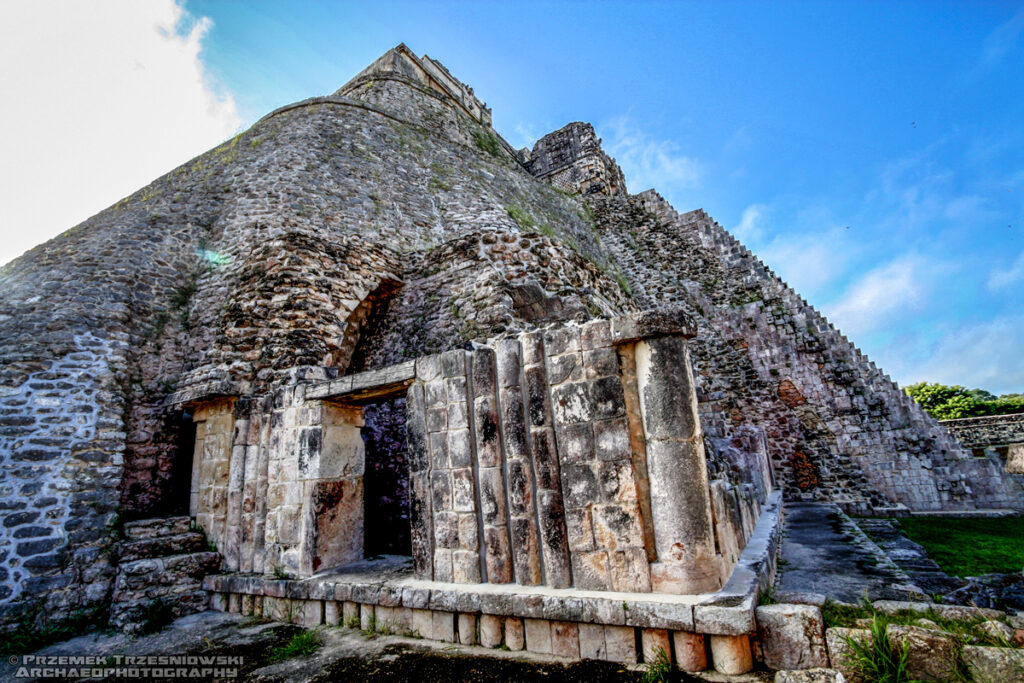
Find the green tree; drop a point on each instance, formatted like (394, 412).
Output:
(946, 402)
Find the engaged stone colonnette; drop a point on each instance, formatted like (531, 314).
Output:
(369, 304)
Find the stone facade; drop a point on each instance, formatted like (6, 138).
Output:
(1001, 434)
(378, 269)
(572, 160)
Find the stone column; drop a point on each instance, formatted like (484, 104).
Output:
(680, 500)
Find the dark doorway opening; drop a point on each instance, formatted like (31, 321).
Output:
(179, 487)
(386, 521)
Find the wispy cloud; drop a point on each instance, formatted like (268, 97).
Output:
(895, 289)
(1001, 279)
(646, 161)
(118, 85)
(985, 355)
(750, 228)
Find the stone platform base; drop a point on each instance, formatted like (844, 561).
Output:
(697, 631)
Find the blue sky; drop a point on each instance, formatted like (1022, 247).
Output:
(871, 153)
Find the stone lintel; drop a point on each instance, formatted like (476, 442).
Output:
(654, 323)
(207, 391)
(366, 386)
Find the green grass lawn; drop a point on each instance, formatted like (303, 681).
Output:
(970, 546)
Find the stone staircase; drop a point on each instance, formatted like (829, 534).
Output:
(161, 565)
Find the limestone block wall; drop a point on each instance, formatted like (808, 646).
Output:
(991, 430)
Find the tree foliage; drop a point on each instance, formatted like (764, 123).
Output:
(945, 402)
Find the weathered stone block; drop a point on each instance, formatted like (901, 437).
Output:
(462, 490)
(590, 570)
(571, 403)
(629, 570)
(611, 439)
(931, 655)
(841, 655)
(443, 570)
(602, 362)
(465, 566)
(994, 664)
(810, 676)
(565, 639)
(443, 627)
(492, 495)
(691, 655)
(453, 363)
(652, 640)
(579, 485)
(592, 641)
(579, 529)
(575, 443)
(731, 655)
(792, 636)
(538, 635)
(620, 644)
(490, 630)
(515, 634)
(468, 533)
(467, 629)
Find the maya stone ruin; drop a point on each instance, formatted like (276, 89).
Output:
(367, 361)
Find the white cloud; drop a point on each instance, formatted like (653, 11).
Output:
(647, 162)
(881, 295)
(985, 355)
(750, 228)
(812, 260)
(101, 98)
(999, 279)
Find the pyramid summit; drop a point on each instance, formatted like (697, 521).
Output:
(368, 326)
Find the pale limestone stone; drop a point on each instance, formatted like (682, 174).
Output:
(997, 629)
(219, 602)
(247, 605)
(423, 623)
(731, 655)
(652, 640)
(538, 635)
(690, 653)
(819, 675)
(467, 629)
(383, 617)
(931, 655)
(515, 636)
(792, 637)
(349, 613)
(592, 644)
(490, 630)
(466, 566)
(620, 644)
(443, 627)
(565, 639)
(840, 654)
(309, 613)
(994, 664)
(235, 603)
(367, 617)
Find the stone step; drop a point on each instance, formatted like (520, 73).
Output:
(163, 546)
(153, 528)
